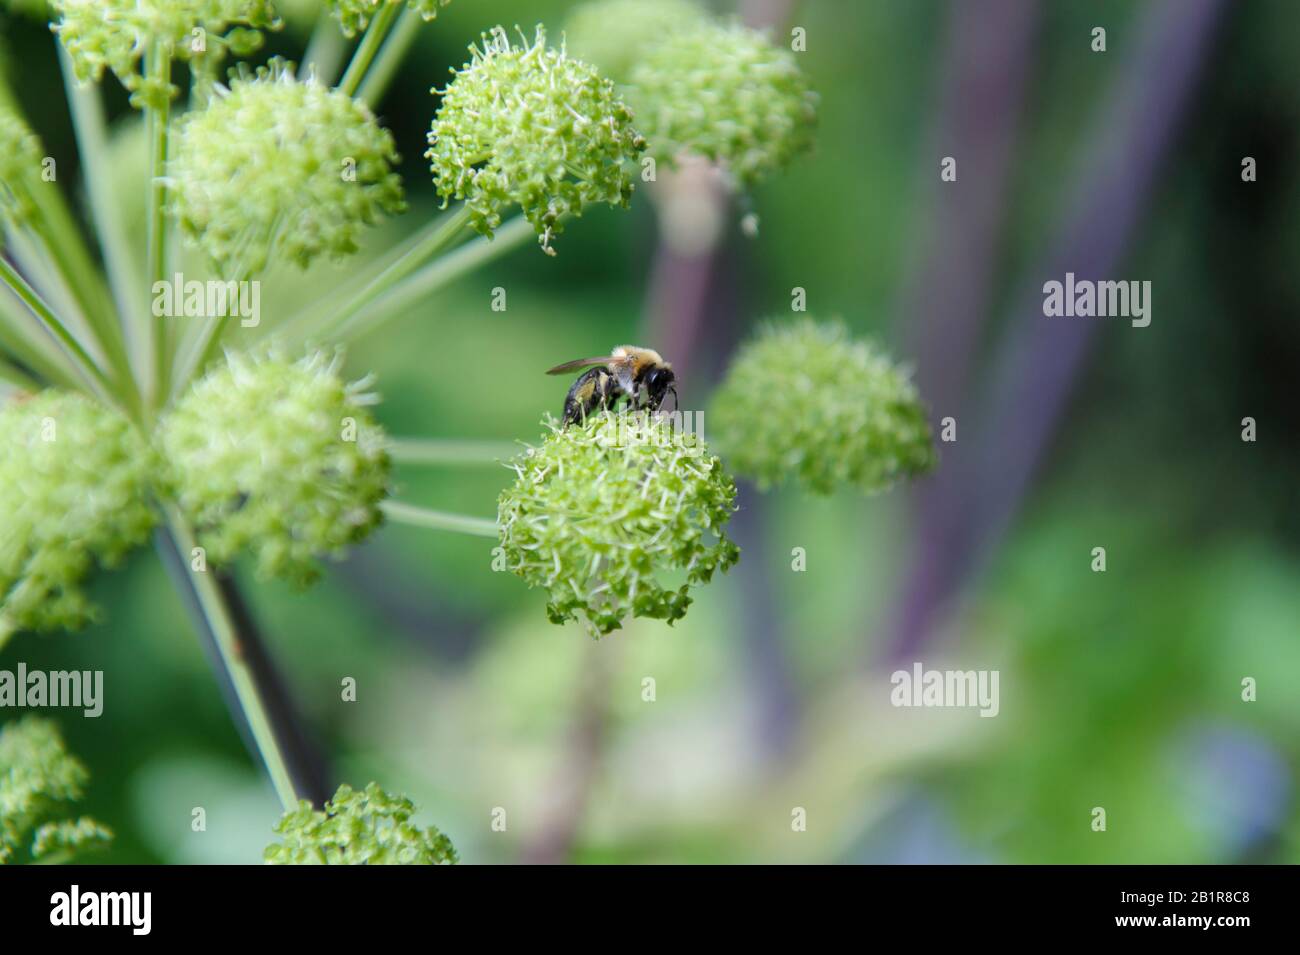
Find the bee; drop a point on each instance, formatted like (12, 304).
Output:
(626, 372)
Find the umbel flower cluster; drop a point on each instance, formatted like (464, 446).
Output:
(39, 782)
(835, 412)
(115, 35)
(606, 513)
(528, 125)
(701, 87)
(74, 480)
(278, 458)
(370, 827)
(275, 165)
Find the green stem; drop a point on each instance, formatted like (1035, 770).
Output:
(370, 44)
(390, 58)
(324, 50)
(439, 451)
(318, 321)
(36, 350)
(158, 118)
(92, 144)
(42, 311)
(439, 520)
(218, 619)
(436, 275)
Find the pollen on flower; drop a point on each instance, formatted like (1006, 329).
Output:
(74, 480)
(807, 403)
(726, 93)
(531, 126)
(281, 459)
(619, 516)
(370, 827)
(274, 165)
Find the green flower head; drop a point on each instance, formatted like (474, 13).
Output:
(726, 93)
(74, 479)
(531, 126)
(21, 154)
(358, 828)
(616, 34)
(115, 34)
(807, 403)
(601, 511)
(279, 458)
(274, 165)
(355, 15)
(39, 780)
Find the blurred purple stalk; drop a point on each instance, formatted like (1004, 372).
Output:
(982, 479)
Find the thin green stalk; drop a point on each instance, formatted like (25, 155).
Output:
(436, 275)
(226, 636)
(365, 53)
(42, 311)
(324, 50)
(390, 58)
(439, 520)
(319, 321)
(158, 118)
(449, 452)
(37, 351)
(92, 144)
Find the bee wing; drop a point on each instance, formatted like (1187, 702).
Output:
(586, 363)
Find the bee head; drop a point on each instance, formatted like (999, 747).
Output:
(658, 382)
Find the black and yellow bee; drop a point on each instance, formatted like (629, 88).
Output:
(627, 372)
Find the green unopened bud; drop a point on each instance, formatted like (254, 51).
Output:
(531, 126)
(40, 779)
(355, 15)
(278, 458)
(115, 34)
(358, 828)
(806, 403)
(615, 34)
(726, 93)
(274, 165)
(74, 479)
(617, 517)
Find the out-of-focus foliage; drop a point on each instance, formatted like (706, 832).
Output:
(39, 780)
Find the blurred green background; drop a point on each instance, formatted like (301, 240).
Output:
(1120, 690)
